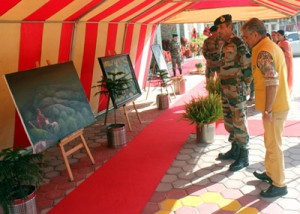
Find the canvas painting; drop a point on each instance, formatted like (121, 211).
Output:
(115, 69)
(51, 103)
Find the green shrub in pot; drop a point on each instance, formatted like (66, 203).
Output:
(20, 175)
(203, 109)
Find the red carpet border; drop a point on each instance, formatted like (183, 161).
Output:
(126, 182)
(256, 128)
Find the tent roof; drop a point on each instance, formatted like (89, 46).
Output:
(144, 11)
(207, 11)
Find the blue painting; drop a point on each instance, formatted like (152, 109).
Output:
(51, 103)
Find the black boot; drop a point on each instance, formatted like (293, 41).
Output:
(180, 71)
(242, 161)
(174, 72)
(233, 153)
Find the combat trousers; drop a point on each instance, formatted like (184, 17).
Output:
(274, 158)
(235, 121)
(177, 61)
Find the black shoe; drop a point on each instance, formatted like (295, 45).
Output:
(274, 191)
(232, 154)
(241, 162)
(263, 176)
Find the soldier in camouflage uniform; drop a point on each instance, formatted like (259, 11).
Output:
(175, 54)
(236, 76)
(211, 51)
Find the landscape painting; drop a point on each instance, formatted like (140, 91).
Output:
(51, 103)
(115, 69)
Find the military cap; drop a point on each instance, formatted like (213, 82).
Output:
(174, 34)
(223, 19)
(213, 29)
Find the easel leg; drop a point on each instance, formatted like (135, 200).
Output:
(151, 78)
(105, 120)
(65, 153)
(127, 118)
(65, 157)
(136, 111)
(149, 83)
(87, 149)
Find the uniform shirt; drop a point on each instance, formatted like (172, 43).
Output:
(211, 50)
(235, 70)
(277, 77)
(174, 49)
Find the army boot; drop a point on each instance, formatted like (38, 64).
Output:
(174, 72)
(232, 154)
(180, 71)
(242, 161)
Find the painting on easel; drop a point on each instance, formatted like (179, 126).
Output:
(118, 68)
(51, 103)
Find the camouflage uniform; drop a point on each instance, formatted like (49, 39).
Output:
(211, 51)
(175, 55)
(235, 74)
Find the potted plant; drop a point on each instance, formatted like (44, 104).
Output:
(179, 84)
(20, 174)
(200, 67)
(114, 85)
(162, 99)
(213, 85)
(204, 111)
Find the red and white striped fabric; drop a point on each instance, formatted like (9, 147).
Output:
(34, 32)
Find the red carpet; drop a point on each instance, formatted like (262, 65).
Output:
(291, 128)
(127, 181)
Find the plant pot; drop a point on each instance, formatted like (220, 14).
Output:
(205, 133)
(26, 205)
(179, 86)
(116, 135)
(200, 70)
(162, 101)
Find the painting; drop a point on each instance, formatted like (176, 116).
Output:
(159, 57)
(51, 103)
(118, 71)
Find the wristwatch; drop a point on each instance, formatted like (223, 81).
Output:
(268, 112)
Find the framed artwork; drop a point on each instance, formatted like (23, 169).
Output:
(159, 57)
(118, 71)
(51, 103)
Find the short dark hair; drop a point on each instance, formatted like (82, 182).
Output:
(281, 32)
(256, 25)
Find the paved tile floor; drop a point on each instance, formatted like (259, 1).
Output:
(196, 183)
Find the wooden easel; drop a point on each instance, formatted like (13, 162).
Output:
(125, 113)
(124, 108)
(65, 153)
(153, 76)
(68, 139)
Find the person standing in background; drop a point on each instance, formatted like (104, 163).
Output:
(274, 37)
(288, 54)
(175, 54)
(236, 76)
(211, 51)
(272, 99)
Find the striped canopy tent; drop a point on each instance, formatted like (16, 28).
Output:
(37, 32)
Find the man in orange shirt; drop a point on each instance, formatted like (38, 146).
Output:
(272, 99)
